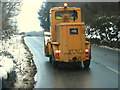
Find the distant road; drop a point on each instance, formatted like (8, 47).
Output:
(103, 72)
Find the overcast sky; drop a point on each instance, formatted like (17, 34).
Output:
(28, 17)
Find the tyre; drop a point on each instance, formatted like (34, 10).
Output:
(86, 63)
(50, 58)
(55, 64)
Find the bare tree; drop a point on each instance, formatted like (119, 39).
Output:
(9, 10)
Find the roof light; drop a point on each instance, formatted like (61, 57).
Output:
(65, 5)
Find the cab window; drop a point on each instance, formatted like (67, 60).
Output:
(59, 14)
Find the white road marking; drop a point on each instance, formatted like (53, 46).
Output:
(113, 70)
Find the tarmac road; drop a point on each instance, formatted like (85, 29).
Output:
(103, 71)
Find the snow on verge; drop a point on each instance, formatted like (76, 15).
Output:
(107, 47)
(22, 64)
(27, 69)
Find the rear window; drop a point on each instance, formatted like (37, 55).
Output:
(59, 14)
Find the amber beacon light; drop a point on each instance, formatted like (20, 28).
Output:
(65, 5)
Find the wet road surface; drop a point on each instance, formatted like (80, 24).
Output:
(103, 72)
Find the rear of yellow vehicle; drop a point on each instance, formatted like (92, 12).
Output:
(67, 38)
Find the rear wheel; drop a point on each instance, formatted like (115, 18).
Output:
(55, 64)
(50, 58)
(86, 63)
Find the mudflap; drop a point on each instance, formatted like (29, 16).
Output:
(53, 58)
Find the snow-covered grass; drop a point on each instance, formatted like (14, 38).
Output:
(6, 63)
(18, 59)
(107, 47)
(117, 49)
(6, 67)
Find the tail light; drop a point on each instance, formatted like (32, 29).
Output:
(87, 52)
(57, 54)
